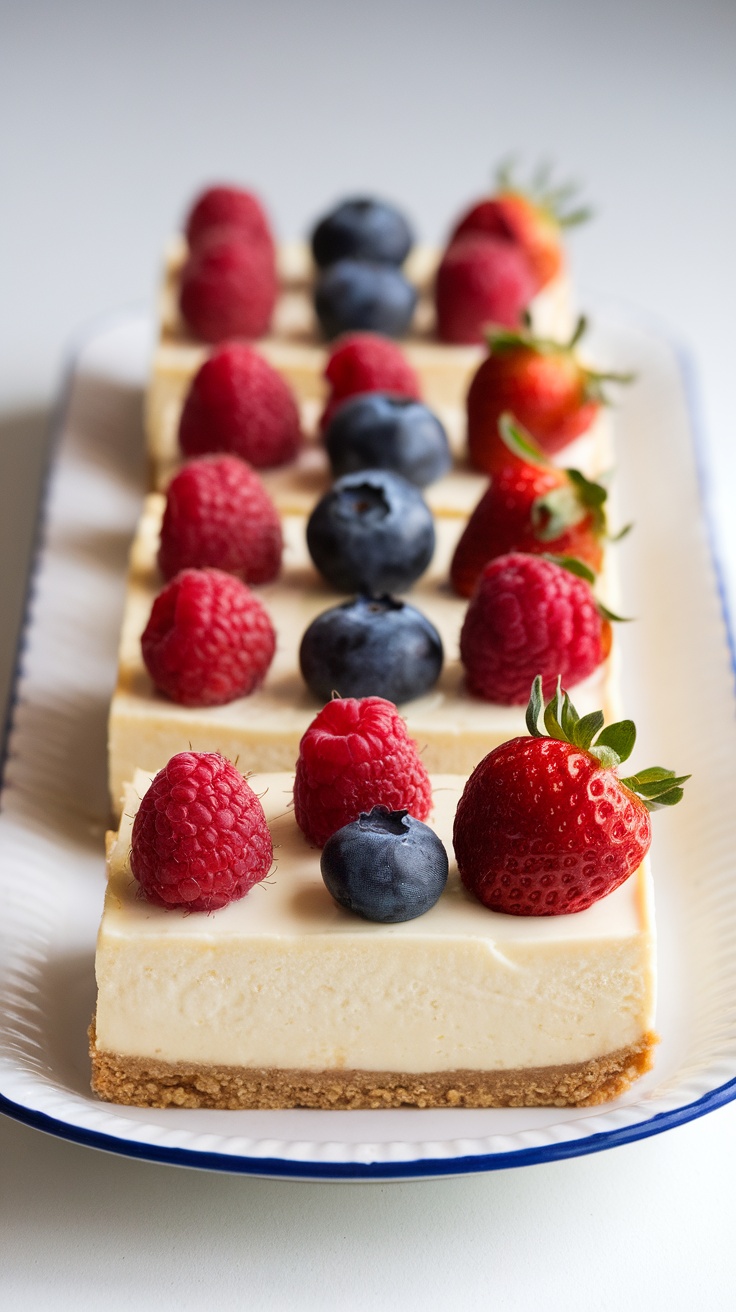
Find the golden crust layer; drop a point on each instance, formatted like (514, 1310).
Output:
(140, 1082)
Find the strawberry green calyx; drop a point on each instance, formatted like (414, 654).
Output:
(563, 507)
(552, 199)
(610, 745)
(583, 571)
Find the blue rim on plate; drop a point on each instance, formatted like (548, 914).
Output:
(411, 1168)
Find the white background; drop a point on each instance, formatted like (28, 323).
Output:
(112, 114)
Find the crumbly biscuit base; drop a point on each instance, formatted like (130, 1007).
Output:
(142, 1082)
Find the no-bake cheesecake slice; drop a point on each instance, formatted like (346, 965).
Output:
(284, 999)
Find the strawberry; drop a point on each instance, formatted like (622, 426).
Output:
(542, 383)
(530, 505)
(545, 825)
(481, 281)
(533, 220)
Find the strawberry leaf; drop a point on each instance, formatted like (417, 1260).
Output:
(612, 616)
(608, 758)
(572, 565)
(556, 511)
(553, 714)
(534, 709)
(520, 442)
(620, 736)
(587, 728)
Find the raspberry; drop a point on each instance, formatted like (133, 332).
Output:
(530, 616)
(200, 838)
(238, 403)
(219, 514)
(367, 362)
(208, 639)
(481, 281)
(229, 207)
(356, 754)
(227, 288)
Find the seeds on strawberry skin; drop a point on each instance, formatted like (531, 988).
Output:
(545, 826)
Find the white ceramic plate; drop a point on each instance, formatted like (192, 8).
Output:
(678, 686)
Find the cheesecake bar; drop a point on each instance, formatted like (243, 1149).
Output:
(297, 351)
(454, 730)
(283, 999)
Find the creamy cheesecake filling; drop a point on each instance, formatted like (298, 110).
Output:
(454, 730)
(286, 980)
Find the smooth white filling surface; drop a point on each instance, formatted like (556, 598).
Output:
(285, 979)
(453, 729)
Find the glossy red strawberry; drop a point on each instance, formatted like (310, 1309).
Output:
(533, 219)
(530, 505)
(542, 383)
(545, 825)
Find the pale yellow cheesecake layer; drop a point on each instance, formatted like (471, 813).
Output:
(285, 979)
(262, 732)
(296, 350)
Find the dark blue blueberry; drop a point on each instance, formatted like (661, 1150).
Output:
(362, 229)
(376, 430)
(371, 647)
(352, 295)
(385, 866)
(372, 532)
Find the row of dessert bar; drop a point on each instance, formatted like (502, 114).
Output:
(244, 642)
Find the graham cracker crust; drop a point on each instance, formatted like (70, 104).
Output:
(140, 1082)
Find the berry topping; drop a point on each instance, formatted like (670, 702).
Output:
(385, 866)
(208, 639)
(200, 838)
(219, 514)
(354, 295)
(377, 431)
(233, 208)
(543, 384)
(372, 532)
(238, 403)
(366, 362)
(533, 219)
(481, 281)
(371, 647)
(545, 826)
(530, 505)
(228, 288)
(356, 754)
(362, 229)
(528, 614)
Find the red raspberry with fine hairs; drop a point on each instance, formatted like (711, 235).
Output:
(219, 514)
(208, 639)
(481, 281)
(357, 754)
(229, 207)
(530, 616)
(238, 403)
(228, 288)
(200, 838)
(367, 362)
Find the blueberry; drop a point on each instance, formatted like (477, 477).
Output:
(375, 430)
(372, 532)
(362, 229)
(385, 866)
(373, 297)
(371, 647)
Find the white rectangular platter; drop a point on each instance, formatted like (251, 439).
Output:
(678, 686)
